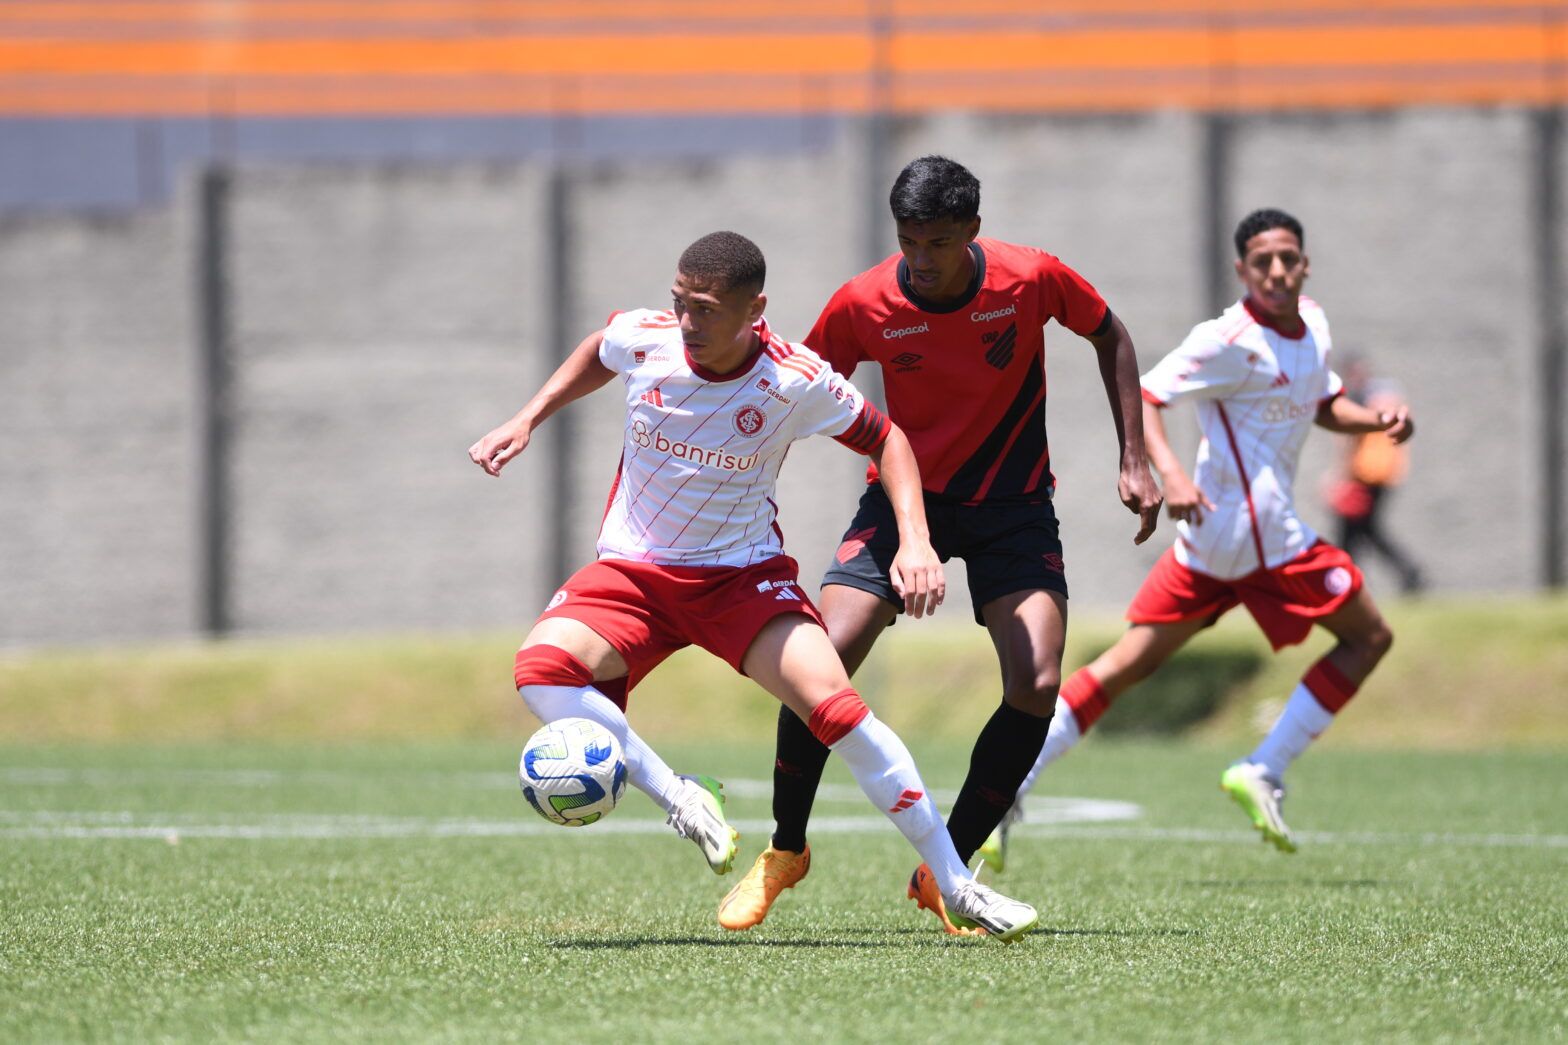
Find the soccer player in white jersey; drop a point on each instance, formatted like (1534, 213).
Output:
(1260, 377)
(689, 551)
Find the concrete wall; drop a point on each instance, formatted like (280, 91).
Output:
(386, 316)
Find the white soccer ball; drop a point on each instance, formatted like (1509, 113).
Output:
(572, 771)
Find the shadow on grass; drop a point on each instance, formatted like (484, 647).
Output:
(632, 943)
(900, 937)
(1293, 883)
(1047, 931)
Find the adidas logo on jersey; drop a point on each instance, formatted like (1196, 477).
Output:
(1281, 381)
(653, 396)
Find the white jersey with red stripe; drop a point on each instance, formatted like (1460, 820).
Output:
(1257, 393)
(702, 451)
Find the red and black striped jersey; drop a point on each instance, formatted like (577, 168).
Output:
(966, 380)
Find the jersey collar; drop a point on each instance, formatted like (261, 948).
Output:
(760, 328)
(913, 296)
(1263, 319)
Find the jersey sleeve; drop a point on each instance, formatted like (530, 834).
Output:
(1202, 367)
(1070, 299)
(1336, 387)
(833, 336)
(628, 335)
(832, 405)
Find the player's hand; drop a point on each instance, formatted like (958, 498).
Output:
(917, 577)
(1184, 501)
(504, 443)
(1398, 424)
(1139, 493)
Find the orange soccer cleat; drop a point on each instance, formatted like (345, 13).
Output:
(923, 890)
(749, 902)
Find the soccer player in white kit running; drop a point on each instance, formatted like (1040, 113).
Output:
(689, 551)
(1261, 379)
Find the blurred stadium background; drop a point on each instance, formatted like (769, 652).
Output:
(268, 267)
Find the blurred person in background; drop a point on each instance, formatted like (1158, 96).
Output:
(1260, 378)
(1373, 467)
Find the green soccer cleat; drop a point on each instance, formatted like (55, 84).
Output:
(993, 852)
(1261, 796)
(699, 816)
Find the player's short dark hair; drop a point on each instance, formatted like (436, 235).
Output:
(932, 188)
(1261, 221)
(728, 259)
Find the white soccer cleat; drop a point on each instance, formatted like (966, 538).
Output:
(699, 816)
(1261, 797)
(1000, 916)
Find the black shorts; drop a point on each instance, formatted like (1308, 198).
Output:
(1008, 546)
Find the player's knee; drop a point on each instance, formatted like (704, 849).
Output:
(1379, 640)
(1035, 692)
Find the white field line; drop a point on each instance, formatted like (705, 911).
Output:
(1079, 818)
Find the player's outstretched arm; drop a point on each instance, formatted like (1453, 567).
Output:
(580, 374)
(1183, 498)
(1119, 373)
(916, 573)
(1342, 414)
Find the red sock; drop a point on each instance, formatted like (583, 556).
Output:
(1083, 694)
(549, 666)
(1329, 686)
(837, 715)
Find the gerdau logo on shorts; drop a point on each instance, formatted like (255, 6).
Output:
(701, 455)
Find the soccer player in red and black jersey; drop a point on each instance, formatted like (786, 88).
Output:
(956, 324)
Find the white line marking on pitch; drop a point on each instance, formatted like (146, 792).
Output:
(172, 827)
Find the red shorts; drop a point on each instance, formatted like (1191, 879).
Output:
(647, 611)
(1285, 601)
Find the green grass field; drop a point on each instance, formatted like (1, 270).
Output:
(406, 892)
(307, 840)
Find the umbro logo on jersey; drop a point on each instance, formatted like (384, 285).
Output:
(906, 361)
(907, 800)
(894, 335)
(1281, 381)
(653, 396)
(1001, 351)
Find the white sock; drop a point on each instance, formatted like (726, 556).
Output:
(1062, 735)
(886, 772)
(646, 771)
(1299, 725)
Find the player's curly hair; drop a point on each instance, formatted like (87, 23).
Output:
(729, 259)
(1261, 221)
(935, 187)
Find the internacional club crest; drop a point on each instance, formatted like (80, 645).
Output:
(749, 420)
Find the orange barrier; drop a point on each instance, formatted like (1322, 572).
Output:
(346, 57)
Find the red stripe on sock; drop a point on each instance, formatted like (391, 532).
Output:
(549, 666)
(836, 716)
(1329, 686)
(1083, 694)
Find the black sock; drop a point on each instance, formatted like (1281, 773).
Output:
(797, 770)
(1003, 756)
